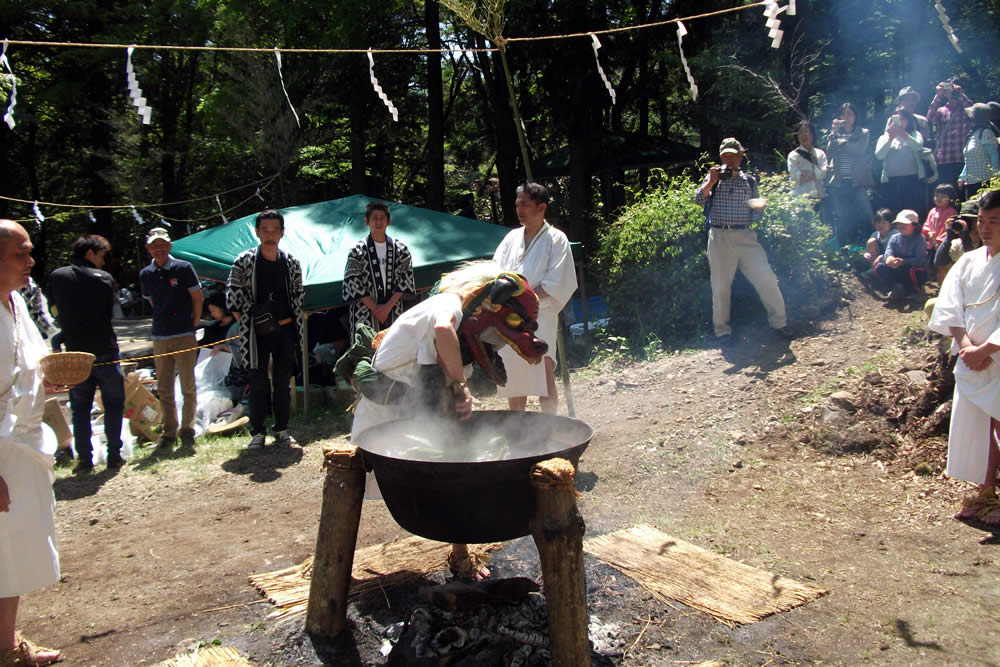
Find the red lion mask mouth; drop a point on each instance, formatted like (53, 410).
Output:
(504, 313)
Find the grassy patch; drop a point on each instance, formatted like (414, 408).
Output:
(210, 452)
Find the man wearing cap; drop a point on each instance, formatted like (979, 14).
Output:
(907, 101)
(951, 127)
(981, 159)
(83, 297)
(172, 288)
(966, 310)
(904, 263)
(726, 193)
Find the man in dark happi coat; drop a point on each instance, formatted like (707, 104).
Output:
(378, 274)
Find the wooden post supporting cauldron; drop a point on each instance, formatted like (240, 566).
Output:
(343, 493)
(558, 529)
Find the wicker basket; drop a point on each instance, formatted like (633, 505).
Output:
(67, 368)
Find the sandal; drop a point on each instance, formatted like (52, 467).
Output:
(468, 567)
(27, 653)
(975, 504)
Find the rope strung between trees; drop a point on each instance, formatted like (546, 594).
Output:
(499, 40)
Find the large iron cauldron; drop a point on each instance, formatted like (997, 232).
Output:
(436, 485)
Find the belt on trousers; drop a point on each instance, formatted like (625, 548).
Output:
(715, 226)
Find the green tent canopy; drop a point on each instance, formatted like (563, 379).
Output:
(321, 235)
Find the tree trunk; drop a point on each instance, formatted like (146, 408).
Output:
(435, 110)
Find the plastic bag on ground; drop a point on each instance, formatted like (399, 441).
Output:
(213, 396)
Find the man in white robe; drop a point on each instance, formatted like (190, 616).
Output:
(968, 309)
(28, 556)
(540, 253)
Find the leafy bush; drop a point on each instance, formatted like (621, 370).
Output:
(652, 264)
(654, 270)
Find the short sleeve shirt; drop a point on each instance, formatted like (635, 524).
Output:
(168, 289)
(409, 342)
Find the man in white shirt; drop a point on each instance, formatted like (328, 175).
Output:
(540, 253)
(28, 556)
(968, 309)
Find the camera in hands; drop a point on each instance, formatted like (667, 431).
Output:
(725, 173)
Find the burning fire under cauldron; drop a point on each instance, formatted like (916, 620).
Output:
(497, 476)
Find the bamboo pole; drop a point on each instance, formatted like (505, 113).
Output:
(343, 493)
(558, 529)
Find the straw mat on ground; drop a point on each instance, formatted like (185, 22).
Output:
(208, 656)
(380, 566)
(730, 591)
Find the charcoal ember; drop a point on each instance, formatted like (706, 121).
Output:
(462, 596)
(449, 640)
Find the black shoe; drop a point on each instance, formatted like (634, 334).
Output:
(786, 332)
(64, 457)
(165, 443)
(83, 468)
(187, 439)
(115, 462)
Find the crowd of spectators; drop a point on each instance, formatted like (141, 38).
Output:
(912, 165)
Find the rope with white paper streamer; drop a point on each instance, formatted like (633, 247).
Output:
(138, 218)
(596, 44)
(9, 116)
(773, 23)
(681, 31)
(222, 213)
(378, 89)
(946, 24)
(277, 56)
(135, 92)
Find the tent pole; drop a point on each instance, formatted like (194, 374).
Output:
(305, 369)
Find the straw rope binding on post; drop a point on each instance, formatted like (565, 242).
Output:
(338, 457)
(554, 474)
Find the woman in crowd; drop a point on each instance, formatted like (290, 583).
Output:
(903, 172)
(847, 151)
(981, 160)
(225, 327)
(807, 165)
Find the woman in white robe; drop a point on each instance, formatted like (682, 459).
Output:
(968, 308)
(28, 556)
(547, 263)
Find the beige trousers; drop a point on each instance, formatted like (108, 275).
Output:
(732, 249)
(166, 369)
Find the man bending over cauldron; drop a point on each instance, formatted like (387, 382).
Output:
(421, 362)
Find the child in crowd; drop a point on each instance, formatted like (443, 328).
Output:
(962, 235)
(875, 247)
(936, 225)
(903, 270)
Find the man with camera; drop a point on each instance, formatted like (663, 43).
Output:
(951, 124)
(962, 236)
(265, 295)
(731, 203)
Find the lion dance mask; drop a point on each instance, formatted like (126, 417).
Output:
(498, 308)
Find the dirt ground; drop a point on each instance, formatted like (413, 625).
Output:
(741, 451)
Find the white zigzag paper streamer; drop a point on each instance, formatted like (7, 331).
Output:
(681, 31)
(946, 24)
(165, 223)
(791, 7)
(378, 88)
(135, 92)
(90, 214)
(277, 56)
(38, 214)
(138, 218)
(9, 116)
(596, 44)
(773, 23)
(221, 212)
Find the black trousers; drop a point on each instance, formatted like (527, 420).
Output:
(273, 393)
